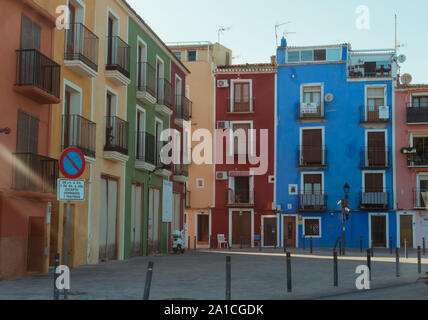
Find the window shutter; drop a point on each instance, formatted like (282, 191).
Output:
(28, 133)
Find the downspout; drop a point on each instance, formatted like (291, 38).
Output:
(88, 250)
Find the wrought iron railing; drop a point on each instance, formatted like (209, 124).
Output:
(238, 106)
(372, 114)
(373, 199)
(81, 44)
(183, 108)
(306, 112)
(164, 93)
(313, 201)
(417, 113)
(240, 198)
(116, 138)
(309, 156)
(146, 78)
(145, 148)
(181, 170)
(375, 157)
(80, 133)
(118, 56)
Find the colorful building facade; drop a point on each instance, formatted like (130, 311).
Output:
(335, 111)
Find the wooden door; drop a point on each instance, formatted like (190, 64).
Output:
(241, 228)
(36, 244)
(378, 231)
(136, 219)
(203, 228)
(312, 147)
(108, 219)
(406, 230)
(269, 232)
(110, 41)
(241, 92)
(153, 221)
(290, 231)
(71, 32)
(376, 150)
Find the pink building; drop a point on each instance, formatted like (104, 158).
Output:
(411, 154)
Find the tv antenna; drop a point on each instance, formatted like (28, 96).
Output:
(276, 30)
(221, 30)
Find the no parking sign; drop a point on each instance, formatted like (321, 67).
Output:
(72, 163)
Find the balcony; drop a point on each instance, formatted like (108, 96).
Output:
(311, 157)
(79, 133)
(313, 202)
(37, 77)
(81, 50)
(118, 58)
(375, 157)
(116, 139)
(418, 202)
(162, 168)
(183, 110)
(34, 173)
(240, 199)
(416, 160)
(370, 69)
(238, 106)
(417, 114)
(164, 97)
(181, 173)
(374, 115)
(310, 112)
(145, 151)
(146, 83)
(374, 200)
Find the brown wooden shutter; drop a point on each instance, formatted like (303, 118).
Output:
(312, 146)
(373, 182)
(376, 148)
(30, 34)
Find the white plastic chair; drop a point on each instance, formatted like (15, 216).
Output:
(221, 238)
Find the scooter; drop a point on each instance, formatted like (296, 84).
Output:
(178, 241)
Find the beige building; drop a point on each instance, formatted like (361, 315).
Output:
(201, 58)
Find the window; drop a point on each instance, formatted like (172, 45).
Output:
(311, 149)
(320, 55)
(421, 187)
(242, 189)
(200, 183)
(375, 100)
(314, 55)
(333, 54)
(293, 56)
(178, 55)
(292, 189)
(191, 55)
(312, 227)
(240, 139)
(312, 94)
(420, 102)
(28, 133)
(241, 97)
(421, 146)
(307, 55)
(30, 34)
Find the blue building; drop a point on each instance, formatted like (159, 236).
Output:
(334, 127)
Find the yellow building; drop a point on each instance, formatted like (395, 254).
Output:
(201, 58)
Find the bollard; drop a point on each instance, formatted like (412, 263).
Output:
(56, 291)
(289, 288)
(419, 260)
(311, 245)
(361, 244)
(240, 242)
(194, 242)
(285, 243)
(372, 250)
(188, 241)
(369, 264)
(390, 245)
(148, 281)
(304, 242)
(423, 245)
(335, 275)
(228, 277)
(260, 244)
(406, 254)
(397, 262)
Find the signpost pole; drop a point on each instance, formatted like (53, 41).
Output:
(67, 232)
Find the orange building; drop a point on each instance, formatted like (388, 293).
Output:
(29, 86)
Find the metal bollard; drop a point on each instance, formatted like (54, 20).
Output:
(419, 260)
(423, 245)
(397, 262)
(390, 245)
(285, 243)
(406, 254)
(228, 277)
(372, 251)
(194, 242)
(148, 281)
(369, 264)
(304, 242)
(361, 244)
(311, 245)
(289, 288)
(335, 275)
(260, 244)
(56, 291)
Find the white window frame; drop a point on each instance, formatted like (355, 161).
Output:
(202, 180)
(315, 84)
(232, 93)
(322, 138)
(302, 180)
(363, 173)
(232, 140)
(116, 26)
(366, 143)
(386, 226)
(424, 176)
(319, 223)
(143, 111)
(231, 227)
(142, 43)
(187, 55)
(366, 96)
(80, 15)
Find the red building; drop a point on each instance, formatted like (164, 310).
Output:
(245, 99)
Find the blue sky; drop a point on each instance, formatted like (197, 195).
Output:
(316, 22)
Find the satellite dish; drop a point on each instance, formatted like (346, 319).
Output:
(406, 78)
(402, 58)
(329, 97)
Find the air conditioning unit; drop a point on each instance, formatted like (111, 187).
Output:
(223, 125)
(221, 175)
(222, 83)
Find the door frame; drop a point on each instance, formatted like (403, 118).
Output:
(230, 224)
(209, 228)
(322, 128)
(296, 216)
(366, 143)
(371, 214)
(262, 239)
(405, 213)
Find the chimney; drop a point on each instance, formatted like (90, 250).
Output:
(273, 60)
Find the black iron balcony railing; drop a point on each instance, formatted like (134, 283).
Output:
(373, 199)
(370, 70)
(116, 135)
(417, 160)
(181, 170)
(309, 202)
(34, 173)
(371, 114)
(242, 198)
(160, 165)
(183, 108)
(164, 93)
(311, 156)
(307, 111)
(34, 69)
(418, 198)
(146, 147)
(146, 78)
(239, 106)
(417, 113)
(79, 133)
(375, 157)
(118, 56)
(81, 44)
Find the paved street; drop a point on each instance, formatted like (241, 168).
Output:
(255, 275)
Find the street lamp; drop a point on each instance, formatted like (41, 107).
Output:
(5, 130)
(345, 211)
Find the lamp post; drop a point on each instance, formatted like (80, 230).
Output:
(345, 210)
